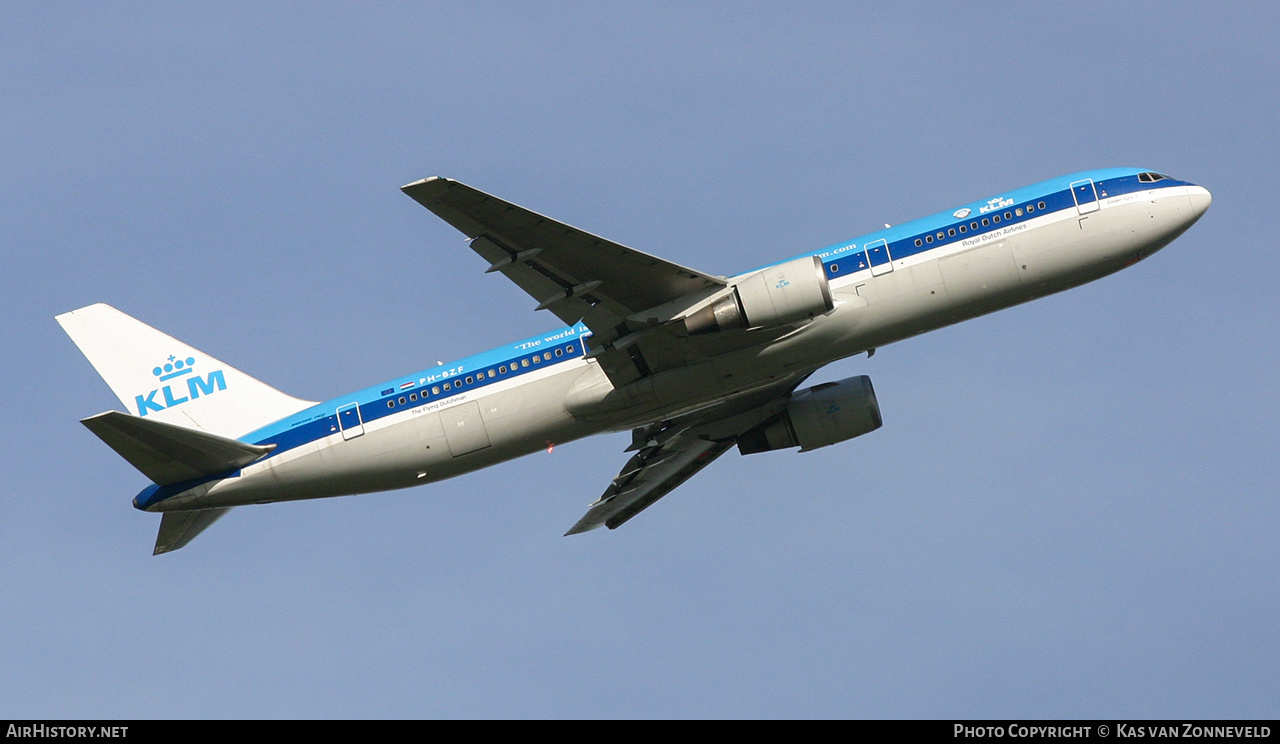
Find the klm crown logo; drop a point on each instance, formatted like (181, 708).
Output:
(173, 369)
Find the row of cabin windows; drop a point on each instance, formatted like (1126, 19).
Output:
(986, 222)
(479, 376)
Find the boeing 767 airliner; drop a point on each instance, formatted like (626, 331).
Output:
(691, 363)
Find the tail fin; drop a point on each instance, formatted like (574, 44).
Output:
(162, 379)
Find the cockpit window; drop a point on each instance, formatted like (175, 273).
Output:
(1151, 177)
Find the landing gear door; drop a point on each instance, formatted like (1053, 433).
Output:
(1086, 196)
(878, 255)
(349, 421)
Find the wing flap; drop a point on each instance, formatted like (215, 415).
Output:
(550, 293)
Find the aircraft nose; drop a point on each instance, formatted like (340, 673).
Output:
(1200, 200)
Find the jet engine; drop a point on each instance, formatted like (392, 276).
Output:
(818, 416)
(786, 293)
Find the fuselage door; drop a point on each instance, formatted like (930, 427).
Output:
(349, 421)
(464, 429)
(1086, 196)
(878, 255)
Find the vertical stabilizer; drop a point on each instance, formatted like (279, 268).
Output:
(162, 379)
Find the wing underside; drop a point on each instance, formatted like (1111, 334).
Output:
(671, 452)
(578, 276)
(634, 305)
(648, 476)
(569, 271)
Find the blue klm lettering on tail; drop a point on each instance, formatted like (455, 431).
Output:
(196, 385)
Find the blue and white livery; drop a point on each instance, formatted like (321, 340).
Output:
(692, 363)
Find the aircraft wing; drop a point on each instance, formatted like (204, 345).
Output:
(671, 452)
(568, 271)
(648, 476)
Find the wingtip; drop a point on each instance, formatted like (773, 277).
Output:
(580, 528)
(422, 182)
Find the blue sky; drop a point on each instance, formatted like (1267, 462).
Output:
(1071, 509)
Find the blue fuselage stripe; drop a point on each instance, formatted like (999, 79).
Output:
(428, 386)
(489, 368)
(477, 372)
(940, 232)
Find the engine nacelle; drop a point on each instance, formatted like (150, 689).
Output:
(818, 416)
(794, 291)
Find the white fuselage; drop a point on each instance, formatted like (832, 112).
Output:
(567, 396)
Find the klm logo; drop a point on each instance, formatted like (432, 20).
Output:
(174, 373)
(994, 204)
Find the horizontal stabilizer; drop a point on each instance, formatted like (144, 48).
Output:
(169, 454)
(179, 528)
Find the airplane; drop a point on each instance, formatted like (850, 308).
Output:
(692, 363)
